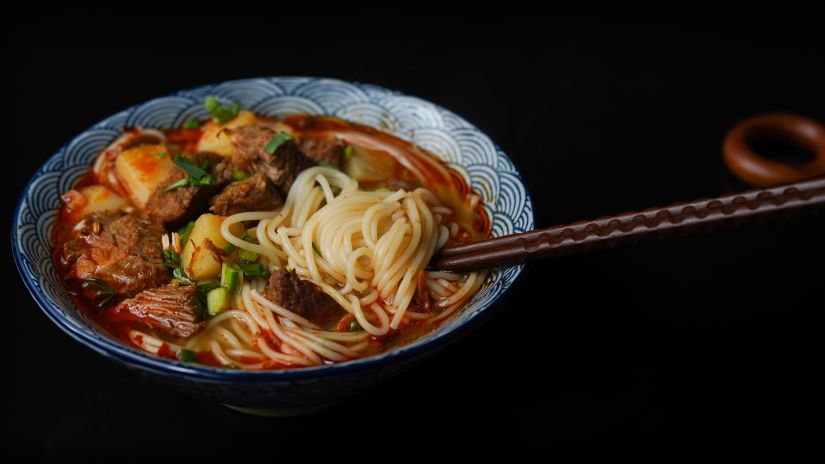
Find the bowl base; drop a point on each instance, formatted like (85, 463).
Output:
(281, 412)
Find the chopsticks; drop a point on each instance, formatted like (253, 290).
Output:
(705, 215)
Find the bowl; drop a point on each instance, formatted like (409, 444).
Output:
(285, 392)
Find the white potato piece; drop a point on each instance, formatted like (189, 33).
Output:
(141, 169)
(214, 140)
(202, 260)
(100, 199)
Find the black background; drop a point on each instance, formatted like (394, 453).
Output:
(699, 347)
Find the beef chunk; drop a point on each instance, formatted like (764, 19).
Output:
(304, 298)
(172, 309)
(179, 206)
(253, 194)
(250, 155)
(329, 150)
(123, 251)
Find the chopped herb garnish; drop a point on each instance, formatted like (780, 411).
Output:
(103, 292)
(354, 326)
(170, 259)
(193, 170)
(208, 285)
(228, 249)
(239, 175)
(161, 154)
(187, 355)
(231, 277)
(185, 231)
(220, 114)
(180, 276)
(205, 180)
(217, 300)
(327, 164)
(192, 124)
(211, 104)
(246, 255)
(276, 142)
(196, 175)
(181, 183)
(253, 269)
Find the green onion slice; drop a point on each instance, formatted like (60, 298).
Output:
(187, 355)
(276, 142)
(192, 124)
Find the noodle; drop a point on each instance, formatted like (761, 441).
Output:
(365, 249)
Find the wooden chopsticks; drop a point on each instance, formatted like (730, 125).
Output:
(706, 215)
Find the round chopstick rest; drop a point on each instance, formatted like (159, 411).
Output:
(754, 169)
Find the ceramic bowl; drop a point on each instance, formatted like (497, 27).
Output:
(442, 132)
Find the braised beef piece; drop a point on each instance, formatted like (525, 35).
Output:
(252, 194)
(184, 204)
(329, 150)
(172, 309)
(122, 251)
(250, 155)
(304, 298)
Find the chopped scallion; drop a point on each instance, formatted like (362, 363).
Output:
(253, 269)
(228, 249)
(220, 114)
(205, 180)
(192, 124)
(185, 231)
(217, 300)
(193, 170)
(248, 256)
(208, 285)
(276, 142)
(239, 175)
(354, 326)
(103, 292)
(231, 277)
(179, 184)
(187, 356)
(211, 103)
(180, 276)
(170, 258)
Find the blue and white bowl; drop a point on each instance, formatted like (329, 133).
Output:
(459, 143)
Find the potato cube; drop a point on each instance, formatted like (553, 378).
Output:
(201, 256)
(141, 169)
(100, 198)
(214, 140)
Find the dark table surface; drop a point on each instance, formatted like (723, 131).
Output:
(694, 347)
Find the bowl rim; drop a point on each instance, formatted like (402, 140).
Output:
(123, 353)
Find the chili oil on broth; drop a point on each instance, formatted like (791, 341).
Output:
(378, 161)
